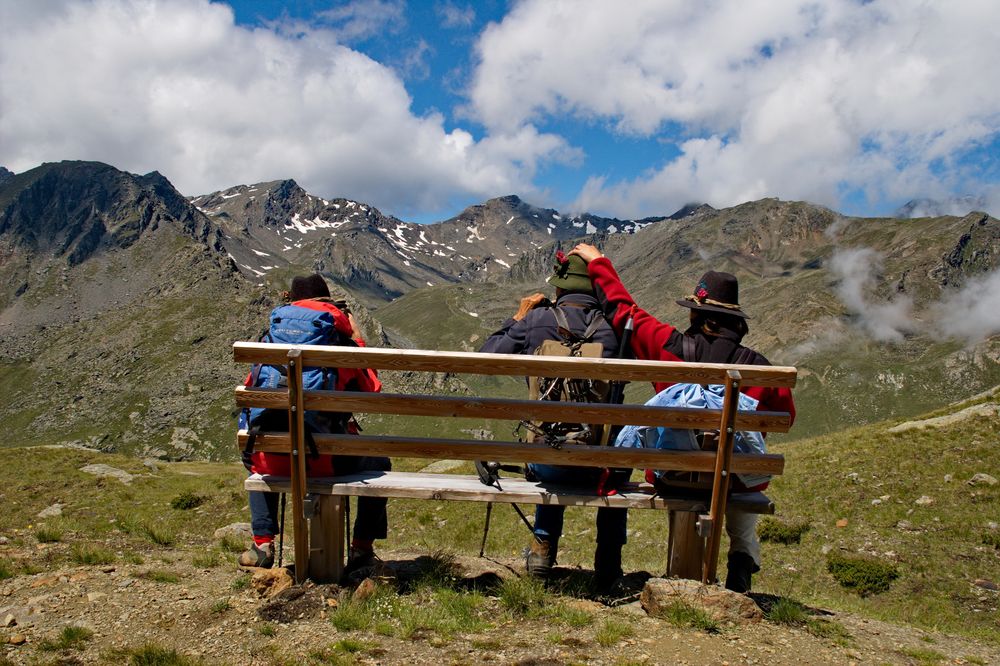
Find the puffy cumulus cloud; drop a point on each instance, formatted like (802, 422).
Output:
(176, 86)
(800, 98)
(856, 270)
(972, 313)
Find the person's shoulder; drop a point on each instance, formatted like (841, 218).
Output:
(754, 357)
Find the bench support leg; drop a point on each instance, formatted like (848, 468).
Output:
(326, 539)
(687, 548)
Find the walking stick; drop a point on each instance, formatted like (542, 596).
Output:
(616, 394)
(281, 531)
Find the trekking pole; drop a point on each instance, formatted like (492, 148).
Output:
(616, 395)
(486, 528)
(281, 531)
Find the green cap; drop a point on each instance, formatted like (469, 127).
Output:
(570, 274)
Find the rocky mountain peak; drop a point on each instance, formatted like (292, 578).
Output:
(5, 175)
(75, 208)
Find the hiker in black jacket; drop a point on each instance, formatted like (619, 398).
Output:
(533, 324)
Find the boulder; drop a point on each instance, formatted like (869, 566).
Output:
(51, 511)
(982, 479)
(721, 604)
(103, 470)
(238, 530)
(271, 582)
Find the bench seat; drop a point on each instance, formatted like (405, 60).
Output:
(423, 485)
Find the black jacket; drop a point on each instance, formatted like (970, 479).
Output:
(539, 325)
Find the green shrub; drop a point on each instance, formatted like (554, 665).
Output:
(231, 544)
(48, 535)
(773, 530)
(240, 583)
(161, 536)
(267, 630)
(792, 613)
(70, 638)
(923, 656)
(612, 631)
(6, 570)
(87, 554)
(161, 576)
(992, 539)
(205, 559)
(786, 611)
(220, 606)
(521, 596)
(681, 614)
(863, 575)
(187, 500)
(153, 655)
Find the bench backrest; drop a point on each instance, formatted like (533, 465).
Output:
(721, 463)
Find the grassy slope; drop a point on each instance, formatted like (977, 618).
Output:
(939, 553)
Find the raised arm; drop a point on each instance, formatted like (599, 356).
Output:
(649, 334)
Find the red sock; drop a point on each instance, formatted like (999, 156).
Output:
(364, 545)
(261, 540)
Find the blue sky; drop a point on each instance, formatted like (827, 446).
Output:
(420, 108)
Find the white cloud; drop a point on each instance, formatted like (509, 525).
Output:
(360, 19)
(453, 16)
(856, 270)
(801, 98)
(973, 313)
(177, 87)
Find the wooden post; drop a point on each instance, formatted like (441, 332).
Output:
(326, 539)
(720, 481)
(687, 548)
(296, 431)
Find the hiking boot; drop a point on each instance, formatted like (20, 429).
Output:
(358, 561)
(258, 556)
(607, 567)
(740, 571)
(541, 557)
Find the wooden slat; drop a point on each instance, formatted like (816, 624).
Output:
(470, 449)
(721, 475)
(296, 441)
(508, 409)
(420, 485)
(513, 364)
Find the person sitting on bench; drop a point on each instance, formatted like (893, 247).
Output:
(371, 522)
(716, 330)
(534, 323)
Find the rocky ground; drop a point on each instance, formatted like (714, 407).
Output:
(162, 607)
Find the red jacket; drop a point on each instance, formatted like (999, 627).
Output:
(348, 379)
(651, 337)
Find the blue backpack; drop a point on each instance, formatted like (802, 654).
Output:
(295, 325)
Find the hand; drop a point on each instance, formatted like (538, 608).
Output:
(355, 329)
(586, 252)
(527, 304)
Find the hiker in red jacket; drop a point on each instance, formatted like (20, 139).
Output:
(311, 292)
(717, 327)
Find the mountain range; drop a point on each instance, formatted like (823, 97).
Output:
(120, 297)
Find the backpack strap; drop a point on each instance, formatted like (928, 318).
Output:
(689, 349)
(596, 319)
(562, 324)
(743, 356)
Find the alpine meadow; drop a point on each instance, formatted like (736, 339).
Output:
(122, 298)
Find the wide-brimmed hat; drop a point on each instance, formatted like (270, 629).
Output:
(570, 274)
(716, 292)
(308, 286)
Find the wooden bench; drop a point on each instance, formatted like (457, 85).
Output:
(696, 520)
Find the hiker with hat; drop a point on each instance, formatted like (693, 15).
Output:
(717, 325)
(309, 308)
(536, 321)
